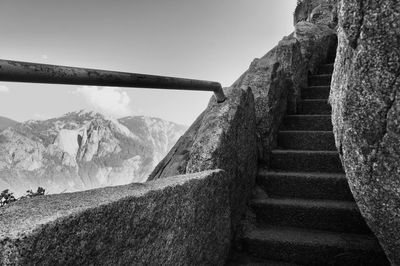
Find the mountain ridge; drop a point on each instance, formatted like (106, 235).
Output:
(82, 150)
(6, 122)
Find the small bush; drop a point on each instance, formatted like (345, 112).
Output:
(30, 194)
(6, 197)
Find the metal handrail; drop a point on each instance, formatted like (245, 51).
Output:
(16, 71)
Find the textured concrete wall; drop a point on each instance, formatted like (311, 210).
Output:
(365, 101)
(182, 220)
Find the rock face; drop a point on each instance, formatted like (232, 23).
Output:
(82, 150)
(320, 12)
(270, 80)
(222, 137)
(365, 98)
(235, 134)
(276, 78)
(183, 220)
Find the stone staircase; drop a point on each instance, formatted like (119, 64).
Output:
(306, 214)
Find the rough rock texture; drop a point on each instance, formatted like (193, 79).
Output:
(276, 78)
(365, 98)
(223, 137)
(270, 78)
(318, 44)
(234, 134)
(317, 12)
(183, 220)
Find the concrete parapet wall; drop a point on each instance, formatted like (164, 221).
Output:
(181, 220)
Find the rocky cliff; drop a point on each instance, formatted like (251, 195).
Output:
(82, 150)
(366, 109)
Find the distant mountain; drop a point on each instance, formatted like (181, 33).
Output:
(155, 132)
(82, 150)
(6, 122)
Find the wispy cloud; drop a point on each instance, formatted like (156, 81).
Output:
(4, 89)
(44, 56)
(108, 100)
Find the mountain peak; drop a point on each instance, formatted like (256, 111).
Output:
(84, 113)
(81, 150)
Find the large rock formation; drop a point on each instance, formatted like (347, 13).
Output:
(365, 98)
(276, 78)
(235, 134)
(82, 150)
(317, 11)
(222, 137)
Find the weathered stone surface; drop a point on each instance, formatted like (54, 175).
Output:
(271, 78)
(228, 135)
(182, 220)
(366, 109)
(277, 77)
(222, 137)
(317, 11)
(234, 134)
(317, 42)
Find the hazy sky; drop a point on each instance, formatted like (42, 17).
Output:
(208, 39)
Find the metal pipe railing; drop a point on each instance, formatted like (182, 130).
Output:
(15, 71)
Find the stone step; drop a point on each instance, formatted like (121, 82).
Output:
(320, 80)
(307, 123)
(314, 107)
(306, 140)
(243, 259)
(313, 247)
(306, 161)
(326, 69)
(330, 186)
(330, 215)
(315, 92)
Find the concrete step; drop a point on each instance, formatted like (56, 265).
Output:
(314, 107)
(329, 186)
(320, 80)
(306, 140)
(330, 215)
(326, 69)
(306, 161)
(307, 123)
(313, 247)
(238, 258)
(315, 92)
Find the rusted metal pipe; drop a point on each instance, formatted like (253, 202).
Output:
(15, 71)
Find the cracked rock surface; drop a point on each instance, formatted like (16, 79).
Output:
(365, 100)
